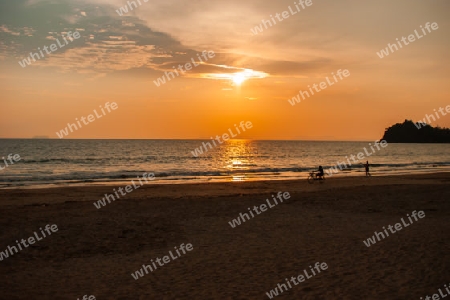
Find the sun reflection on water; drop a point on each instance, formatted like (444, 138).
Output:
(236, 157)
(238, 178)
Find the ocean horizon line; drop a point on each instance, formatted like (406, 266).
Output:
(189, 139)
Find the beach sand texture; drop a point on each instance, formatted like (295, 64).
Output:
(95, 251)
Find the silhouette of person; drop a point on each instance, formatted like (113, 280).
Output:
(366, 165)
(320, 174)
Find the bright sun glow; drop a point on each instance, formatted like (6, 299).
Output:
(239, 78)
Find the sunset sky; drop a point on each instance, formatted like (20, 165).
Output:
(118, 58)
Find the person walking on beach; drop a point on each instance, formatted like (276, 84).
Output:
(367, 168)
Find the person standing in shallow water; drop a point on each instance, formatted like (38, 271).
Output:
(366, 166)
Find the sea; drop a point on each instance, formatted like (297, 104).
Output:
(64, 162)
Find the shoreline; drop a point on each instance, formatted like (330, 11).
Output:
(238, 178)
(219, 189)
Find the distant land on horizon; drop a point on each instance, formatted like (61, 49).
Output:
(41, 137)
(410, 132)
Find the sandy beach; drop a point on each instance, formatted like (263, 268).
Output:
(95, 251)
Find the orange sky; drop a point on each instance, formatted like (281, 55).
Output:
(118, 58)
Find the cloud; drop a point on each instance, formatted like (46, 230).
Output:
(108, 43)
(163, 34)
(100, 57)
(24, 31)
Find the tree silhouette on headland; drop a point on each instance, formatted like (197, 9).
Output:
(410, 132)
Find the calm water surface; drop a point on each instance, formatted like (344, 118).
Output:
(63, 162)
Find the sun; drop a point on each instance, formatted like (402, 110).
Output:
(239, 78)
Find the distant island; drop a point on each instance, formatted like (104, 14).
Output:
(410, 132)
(41, 137)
